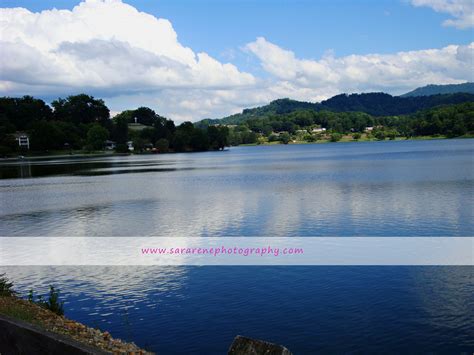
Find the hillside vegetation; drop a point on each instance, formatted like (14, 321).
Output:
(83, 123)
(312, 126)
(441, 89)
(375, 104)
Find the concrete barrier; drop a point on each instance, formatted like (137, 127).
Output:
(17, 338)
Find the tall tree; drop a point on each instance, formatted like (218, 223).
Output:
(81, 109)
(96, 137)
(144, 115)
(22, 112)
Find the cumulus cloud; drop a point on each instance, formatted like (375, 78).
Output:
(109, 49)
(103, 44)
(373, 72)
(462, 11)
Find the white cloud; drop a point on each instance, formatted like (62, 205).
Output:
(111, 50)
(106, 45)
(462, 11)
(373, 72)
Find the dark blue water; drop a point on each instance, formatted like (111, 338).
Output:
(385, 189)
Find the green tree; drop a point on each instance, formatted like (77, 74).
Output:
(120, 129)
(218, 136)
(149, 135)
(199, 140)
(285, 137)
(379, 134)
(145, 116)
(8, 145)
(162, 145)
(183, 136)
(6, 287)
(96, 137)
(392, 134)
(21, 113)
(181, 141)
(45, 136)
(335, 137)
(82, 109)
(138, 144)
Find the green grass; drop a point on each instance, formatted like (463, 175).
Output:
(18, 312)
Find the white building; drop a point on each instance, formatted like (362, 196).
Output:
(316, 130)
(110, 145)
(23, 140)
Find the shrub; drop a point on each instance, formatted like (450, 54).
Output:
(53, 303)
(273, 138)
(392, 135)
(121, 148)
(162, 145)
(380, 135)
(285, 138)
(336, 137)
(356, 136)
(6, 286)
(96, 137)
(310, 138)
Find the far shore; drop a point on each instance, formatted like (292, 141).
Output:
(58, 155)
(103, 154)
(349, 139)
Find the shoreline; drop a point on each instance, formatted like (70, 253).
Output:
(102, 154)
(46, 321)
(345, 140)
(61, 156)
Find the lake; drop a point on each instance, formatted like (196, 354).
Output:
(402, 188)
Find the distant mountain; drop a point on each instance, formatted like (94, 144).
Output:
(441, 89)
(277, 107)
(381, 104)
(376, 104)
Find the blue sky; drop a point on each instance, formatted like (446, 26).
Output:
(307, 27)
(310, 30)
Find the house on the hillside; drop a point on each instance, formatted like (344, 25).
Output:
(318, 130)
(110, 145)
(23, 140)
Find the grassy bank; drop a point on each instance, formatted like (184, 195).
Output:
(33, 313)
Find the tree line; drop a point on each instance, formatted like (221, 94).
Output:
(82, 122)
(309, 125)
(375, 104)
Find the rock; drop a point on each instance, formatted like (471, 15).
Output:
(248, 346)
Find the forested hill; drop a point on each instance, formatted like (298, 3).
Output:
(380, 104)
(277, 107)
(441, 89)
(375, 104)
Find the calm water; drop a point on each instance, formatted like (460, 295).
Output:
(409, 188)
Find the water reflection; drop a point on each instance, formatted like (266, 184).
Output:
(382, 189)
(84, 166)
(310, 309)
(253, 191)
